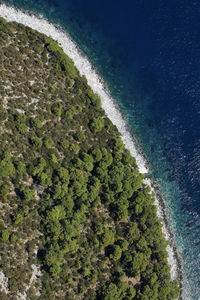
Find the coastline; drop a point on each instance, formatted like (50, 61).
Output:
(111, 109)
(173, 257)
(84, 67)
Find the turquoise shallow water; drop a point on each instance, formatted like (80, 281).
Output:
(148, 53)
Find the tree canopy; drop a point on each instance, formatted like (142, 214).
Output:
(73, 203)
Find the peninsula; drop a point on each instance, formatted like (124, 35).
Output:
(77, 220)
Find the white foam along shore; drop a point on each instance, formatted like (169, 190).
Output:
(85, 68)
(96, 82)
(173, 257)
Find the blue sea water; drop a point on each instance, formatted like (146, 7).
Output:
(148, 52)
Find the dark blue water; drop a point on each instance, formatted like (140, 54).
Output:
(149, 54)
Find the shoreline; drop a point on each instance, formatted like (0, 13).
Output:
(112, 110)
(174, 260)
(83, 65)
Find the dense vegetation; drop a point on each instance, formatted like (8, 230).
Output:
(73, 204)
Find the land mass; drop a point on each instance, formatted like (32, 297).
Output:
(77, 220)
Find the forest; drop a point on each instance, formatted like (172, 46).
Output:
(76, 219)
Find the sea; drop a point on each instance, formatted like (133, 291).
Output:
(148, 54)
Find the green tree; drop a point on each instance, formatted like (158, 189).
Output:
(57, 109)
(116, 253)
(5, 235)
(36, 142)
(6, 166)
(36, 122)
(96, 152)
(22, 128)
(96, 124)
(108, 237)
(57, 213)
(88, 161)
(49, 143)
(27, 194)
